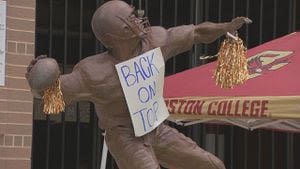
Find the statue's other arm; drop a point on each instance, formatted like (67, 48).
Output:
(72, 84)
(74, 87)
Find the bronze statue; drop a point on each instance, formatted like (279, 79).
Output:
(126, 35)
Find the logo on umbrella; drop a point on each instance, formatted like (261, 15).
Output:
(267, 61)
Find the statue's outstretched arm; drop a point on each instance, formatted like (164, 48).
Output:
(182, 38)
(207, 32)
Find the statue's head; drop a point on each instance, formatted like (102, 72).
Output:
(116, 21)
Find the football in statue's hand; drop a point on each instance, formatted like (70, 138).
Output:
(43, 74)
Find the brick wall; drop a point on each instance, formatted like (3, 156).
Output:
(15, 97)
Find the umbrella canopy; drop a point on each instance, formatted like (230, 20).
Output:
(270, 98)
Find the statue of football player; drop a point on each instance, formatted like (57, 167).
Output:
(126, 35)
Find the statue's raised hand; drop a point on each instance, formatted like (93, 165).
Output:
(32, 63)
(237, 23)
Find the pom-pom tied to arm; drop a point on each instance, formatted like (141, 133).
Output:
(232, 63)
(53, 99)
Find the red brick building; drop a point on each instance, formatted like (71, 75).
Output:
(15, 97)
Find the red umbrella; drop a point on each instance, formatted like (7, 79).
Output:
(271, 96)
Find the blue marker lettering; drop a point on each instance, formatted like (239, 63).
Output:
(142, 117)
(143, 94)
(151, 65)
(142, 67)
(129, 78)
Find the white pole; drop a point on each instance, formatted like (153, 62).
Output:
(104, 155)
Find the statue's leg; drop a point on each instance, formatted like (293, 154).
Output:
(177, 151)
(130, 152)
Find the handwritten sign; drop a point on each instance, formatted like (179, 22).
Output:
(2, 41)
(142, 80)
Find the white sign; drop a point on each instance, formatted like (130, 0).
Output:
(142, 80)
(2, 41)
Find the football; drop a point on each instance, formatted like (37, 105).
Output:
(43, 74)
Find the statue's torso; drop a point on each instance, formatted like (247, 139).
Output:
(102, 81)
(104, 85)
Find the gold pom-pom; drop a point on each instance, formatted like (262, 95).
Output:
(232, 63)
(53, 99)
